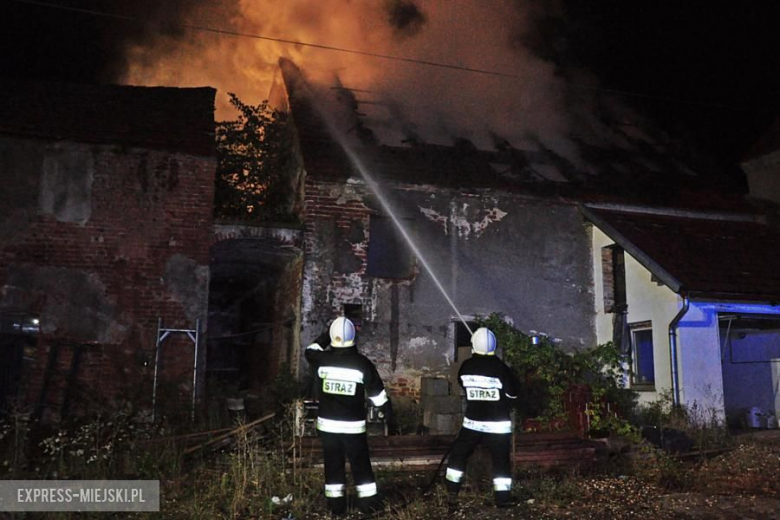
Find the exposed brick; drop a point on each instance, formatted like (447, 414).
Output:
(134, 228)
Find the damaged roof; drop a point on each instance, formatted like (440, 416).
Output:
(535, 169)
(173, 119)
(698, 254)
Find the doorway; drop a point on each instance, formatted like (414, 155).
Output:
(18, 334)
(750, 359)
(253, 322)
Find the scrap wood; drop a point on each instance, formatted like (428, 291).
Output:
(702, 454)
(184, 436)
(231, 433)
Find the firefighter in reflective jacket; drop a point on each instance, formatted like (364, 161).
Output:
(344, 379)
(489, 385)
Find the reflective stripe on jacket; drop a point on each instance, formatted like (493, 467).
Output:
(345, 378)
(489, 385)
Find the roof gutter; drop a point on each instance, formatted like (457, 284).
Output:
(673, 349)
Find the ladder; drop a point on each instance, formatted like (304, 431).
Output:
(162, 334)
(71, 375)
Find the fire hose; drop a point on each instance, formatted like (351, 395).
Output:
(407, 501)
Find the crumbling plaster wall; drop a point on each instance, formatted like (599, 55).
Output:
(99, 242)
(493, 252)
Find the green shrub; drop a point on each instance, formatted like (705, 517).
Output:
(548, 373)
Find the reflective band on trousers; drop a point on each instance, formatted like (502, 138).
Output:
(334, 426)
(488, 426)
(379, 399)
(454, 475)
(366, 490)
(502, 484)
(334, 490)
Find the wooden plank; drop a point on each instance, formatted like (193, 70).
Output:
(423, 453)
(193, 435)
(231, 433)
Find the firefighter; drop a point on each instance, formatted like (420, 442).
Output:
(490, 386)
(345, 378)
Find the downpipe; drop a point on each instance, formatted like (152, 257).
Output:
(673, 350)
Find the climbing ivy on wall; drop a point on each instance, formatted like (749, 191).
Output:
(547, 374)
(255, 165)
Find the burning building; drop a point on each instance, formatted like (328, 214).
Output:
(499, 228)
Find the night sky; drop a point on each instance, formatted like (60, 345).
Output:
(708, 71)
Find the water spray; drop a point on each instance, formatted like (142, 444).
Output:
(374, 186)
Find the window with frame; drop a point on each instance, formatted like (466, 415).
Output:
(389, 256)
(642, 358)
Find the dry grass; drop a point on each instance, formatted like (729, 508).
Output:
(242, 482)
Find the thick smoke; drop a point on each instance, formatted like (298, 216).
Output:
(405, 17)
(52, 44)
(533, 110)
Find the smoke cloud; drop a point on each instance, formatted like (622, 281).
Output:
(405, 17)
(537, 110)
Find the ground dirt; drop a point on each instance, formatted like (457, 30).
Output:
(739, 483)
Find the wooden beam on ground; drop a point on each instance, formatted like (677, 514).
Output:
(231, 433)
(192, 435)
(423, 452)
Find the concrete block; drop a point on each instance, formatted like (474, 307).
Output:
(441, 404)
(434, 386)
(445, 424)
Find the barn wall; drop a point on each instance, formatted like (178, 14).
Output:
(99, 242)
(528, 258)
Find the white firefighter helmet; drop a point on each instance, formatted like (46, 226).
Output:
(342, 333)
(483, 341)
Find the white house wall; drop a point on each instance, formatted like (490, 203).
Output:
(701, 374)
(647, 301)
(698, 345)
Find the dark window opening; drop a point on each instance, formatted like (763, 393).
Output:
(643, 362)
(354, 313)
(389, 256)
(19, 323)
(463, 339)
(18, 338)
(614, 278)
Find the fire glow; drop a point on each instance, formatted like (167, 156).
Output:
(435, 103)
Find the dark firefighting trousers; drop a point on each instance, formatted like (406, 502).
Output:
(499, 446)
(336, 448)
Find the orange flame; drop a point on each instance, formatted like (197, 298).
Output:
(436, 103)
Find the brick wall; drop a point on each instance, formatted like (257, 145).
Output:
(287, 305)
(608, 277)
(141, 254)
(336, 229)
(402, 386)
(336, 237)
(485, 262)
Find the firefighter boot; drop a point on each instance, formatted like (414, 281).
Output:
(452, 502)
(504, 499)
